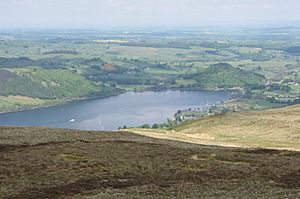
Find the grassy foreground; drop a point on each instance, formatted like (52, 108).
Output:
(56, 163)
(277, 128)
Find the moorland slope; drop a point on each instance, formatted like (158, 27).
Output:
(57, 163)
(275, 128)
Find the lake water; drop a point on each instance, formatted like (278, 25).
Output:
(130, 109)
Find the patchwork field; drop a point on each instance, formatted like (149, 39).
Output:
(72, 64)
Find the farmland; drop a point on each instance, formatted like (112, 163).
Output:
(63, 65)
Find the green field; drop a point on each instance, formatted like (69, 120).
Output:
(250, 104)
(17, 103)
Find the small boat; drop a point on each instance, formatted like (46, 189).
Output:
(72, 120)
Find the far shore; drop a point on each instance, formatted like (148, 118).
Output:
(65, 101)
(62, 102)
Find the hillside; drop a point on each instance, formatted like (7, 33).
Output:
(34, 87)
(275, 128)
(224, 75)
(57, 163)
(46, 84)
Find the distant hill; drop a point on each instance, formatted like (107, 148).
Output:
(224, 75)
(295, 50)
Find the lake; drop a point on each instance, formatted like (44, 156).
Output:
(130, 109)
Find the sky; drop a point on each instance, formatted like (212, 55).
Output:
(143, 13)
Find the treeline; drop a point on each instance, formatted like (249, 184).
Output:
(129, 78)
(22, 62)
(67, 52)
(158, 45)
(46, 63)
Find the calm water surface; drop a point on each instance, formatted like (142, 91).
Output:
(130, 109)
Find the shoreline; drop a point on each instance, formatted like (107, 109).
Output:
(63, 102)
(66, 101)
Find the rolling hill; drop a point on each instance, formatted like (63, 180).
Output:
(223, 75)
(275, 128)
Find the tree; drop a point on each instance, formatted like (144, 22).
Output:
(146, 126)
(155, 126)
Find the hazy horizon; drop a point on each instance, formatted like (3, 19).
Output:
(145, 13)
